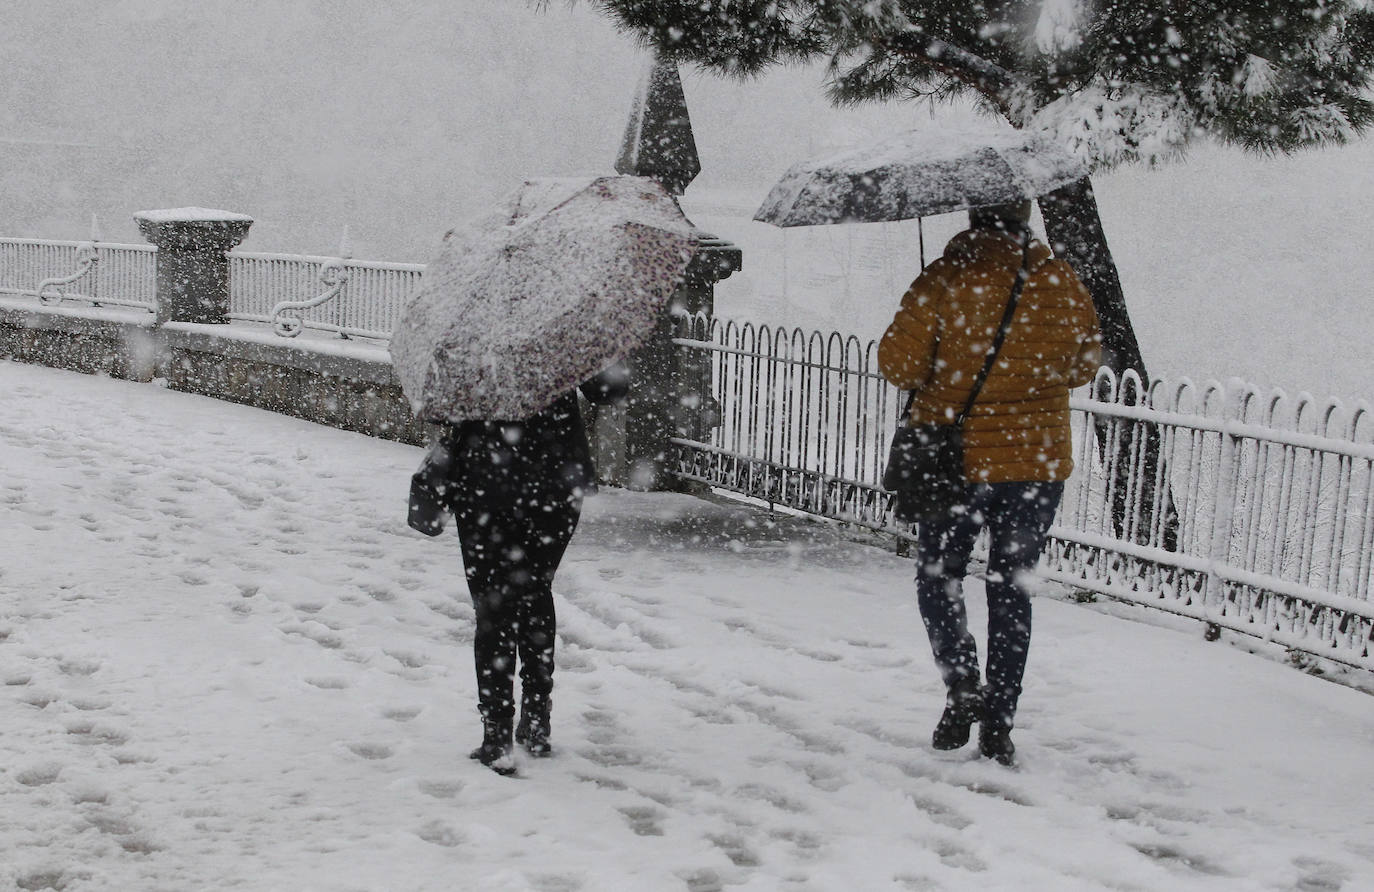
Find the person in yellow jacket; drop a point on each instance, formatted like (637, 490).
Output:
(1017, 445)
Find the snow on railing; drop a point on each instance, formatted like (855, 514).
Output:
(93, 271)
(1248, 510)
(361, 298)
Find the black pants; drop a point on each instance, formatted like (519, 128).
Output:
(1018, 517)
(511, 550)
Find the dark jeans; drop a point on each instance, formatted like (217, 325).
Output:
(1018, 517)
(510, 554)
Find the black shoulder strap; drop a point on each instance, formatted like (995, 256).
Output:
(1003, 327)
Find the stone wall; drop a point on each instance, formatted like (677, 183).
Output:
(343, 384)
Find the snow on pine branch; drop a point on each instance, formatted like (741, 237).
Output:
(1058, 28)
(1325, 123)
(1105, 128)
(1257, 76)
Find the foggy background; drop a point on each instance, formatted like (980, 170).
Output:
(401, 119)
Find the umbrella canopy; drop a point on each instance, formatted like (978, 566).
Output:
(563, 278)
(919, 174)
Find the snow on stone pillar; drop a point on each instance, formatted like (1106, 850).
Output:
(658, 138)
(193, 245)
(669, 387)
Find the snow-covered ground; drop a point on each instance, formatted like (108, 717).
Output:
(228, 664)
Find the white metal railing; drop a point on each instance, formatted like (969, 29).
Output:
(292, 292)
(1251, 511)
(93, 271)
(353, 298)
(1271, 526)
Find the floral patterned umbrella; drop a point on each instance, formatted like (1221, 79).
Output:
(564, 278)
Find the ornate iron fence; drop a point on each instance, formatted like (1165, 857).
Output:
(1273, 497)
(92, 271)
(353, 298)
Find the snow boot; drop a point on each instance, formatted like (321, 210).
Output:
(533, 731)
(995, 742)
(495, 751)
(963, 707)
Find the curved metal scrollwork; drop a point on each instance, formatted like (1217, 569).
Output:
(87, 259)
(334, 275)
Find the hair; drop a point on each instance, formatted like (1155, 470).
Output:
(1013, 216)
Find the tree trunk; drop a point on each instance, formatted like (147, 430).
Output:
(1074, 228)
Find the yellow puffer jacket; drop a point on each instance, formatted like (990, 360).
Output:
(1019, 427)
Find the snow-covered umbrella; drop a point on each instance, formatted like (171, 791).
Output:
(919, 174)
(565, 277)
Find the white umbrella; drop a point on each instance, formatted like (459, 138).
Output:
(919, 174)
(565, 277)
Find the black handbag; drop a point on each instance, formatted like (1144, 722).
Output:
(431, 486)
(925, 465)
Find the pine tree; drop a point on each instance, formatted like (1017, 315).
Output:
(1115, 80)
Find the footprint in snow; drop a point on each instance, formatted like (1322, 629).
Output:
(1177, 859)
(440, 833)
(952, 854)
(78, 667)
(39, 775)
(705, 880)
(736, 849)
(371, 751)
(1319, 875)
(940, 812)
(43, 879)
(38, 699)
(407, 659)
(401, 713)
(643, 820)
(441, 789)
(96, 733)
(378, 593)
(554, 882)
(771, 796)
(449, 609)
(321, 636)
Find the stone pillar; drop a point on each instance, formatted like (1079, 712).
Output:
(193, 245)
(670, 389)
(658, 139)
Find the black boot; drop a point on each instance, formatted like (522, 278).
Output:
(495, 751)
(533, 731)
(963, 707)
(995, 742)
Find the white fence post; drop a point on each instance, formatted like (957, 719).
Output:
(1224, 503)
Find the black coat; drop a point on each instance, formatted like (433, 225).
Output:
(543, 458)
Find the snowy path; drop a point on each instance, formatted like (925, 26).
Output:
(228, 664)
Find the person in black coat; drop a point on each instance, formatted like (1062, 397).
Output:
(515, 489)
